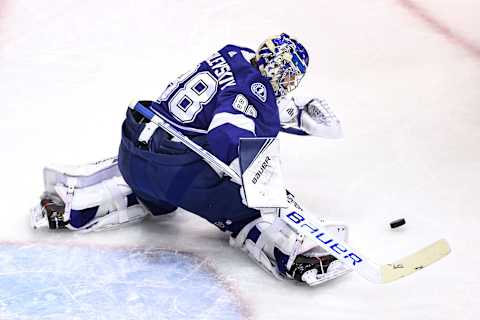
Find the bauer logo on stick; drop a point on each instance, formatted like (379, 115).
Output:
(334, 245)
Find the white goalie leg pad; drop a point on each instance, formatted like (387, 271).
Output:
(97, 190)
(80, 175)
(111, 199)
(264, 238)
(115, 219)
(254, 249)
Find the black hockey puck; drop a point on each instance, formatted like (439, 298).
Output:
(397, 223)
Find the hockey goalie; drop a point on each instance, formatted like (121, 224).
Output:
(234, 94)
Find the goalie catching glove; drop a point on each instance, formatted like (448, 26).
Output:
(311, 116)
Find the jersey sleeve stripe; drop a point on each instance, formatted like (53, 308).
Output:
(238, 120)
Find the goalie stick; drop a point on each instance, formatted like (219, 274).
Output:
(305, 224)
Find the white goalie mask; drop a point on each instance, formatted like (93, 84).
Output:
(284, 61)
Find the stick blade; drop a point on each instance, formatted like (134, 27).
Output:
(415, 262)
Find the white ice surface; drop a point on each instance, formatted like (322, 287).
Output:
(408, 97)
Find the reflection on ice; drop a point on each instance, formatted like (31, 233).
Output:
(59, 282)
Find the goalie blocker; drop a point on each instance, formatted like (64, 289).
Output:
(262, 177)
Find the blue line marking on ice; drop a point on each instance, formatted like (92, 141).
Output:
(41, 281)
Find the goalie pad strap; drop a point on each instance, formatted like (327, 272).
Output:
(118, 199)
(70, 183)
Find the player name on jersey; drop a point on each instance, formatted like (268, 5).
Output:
(222, 70)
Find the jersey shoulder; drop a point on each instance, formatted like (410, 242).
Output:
(249, 80)
(233, 52)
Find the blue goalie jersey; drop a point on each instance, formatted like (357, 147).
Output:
(225, 98)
